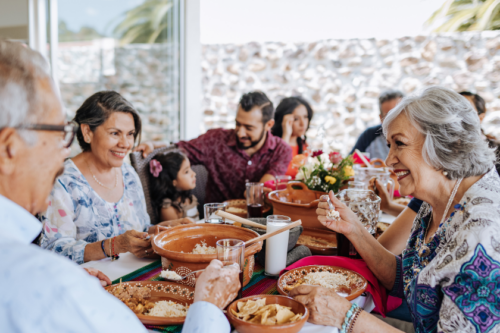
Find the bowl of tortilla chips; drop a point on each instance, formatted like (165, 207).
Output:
(267, 313)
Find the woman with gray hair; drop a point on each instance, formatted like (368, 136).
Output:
(449, 272)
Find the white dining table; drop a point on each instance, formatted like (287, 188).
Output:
(129, 263)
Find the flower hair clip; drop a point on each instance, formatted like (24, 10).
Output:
(155, 168)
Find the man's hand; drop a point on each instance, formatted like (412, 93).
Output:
(324, 305)
(105, 281)
(217, 285)
(148, 147)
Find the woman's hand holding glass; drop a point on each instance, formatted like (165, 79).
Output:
(347, 224)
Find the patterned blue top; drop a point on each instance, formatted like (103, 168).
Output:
(455, 285)
(77, 215)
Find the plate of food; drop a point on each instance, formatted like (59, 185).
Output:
(320, 242)
(155, 302)
(267, 313)
(345, 282)
(238, 207)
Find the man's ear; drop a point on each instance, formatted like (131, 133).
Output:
(269, 125)
(10, 145)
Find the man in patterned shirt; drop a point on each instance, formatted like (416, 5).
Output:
(248, 153)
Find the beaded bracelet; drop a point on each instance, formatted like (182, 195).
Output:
(104, 251)
(353, 319)
(347, 319)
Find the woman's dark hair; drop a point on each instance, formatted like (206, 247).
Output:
(479, 102)
(96, 110)
(162, 187)
(287, 106)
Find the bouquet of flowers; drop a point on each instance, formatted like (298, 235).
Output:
(326, 173)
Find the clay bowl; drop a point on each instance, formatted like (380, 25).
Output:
(357, 287)
(162, 291)
(297, 202)
(242, 204)
(329, 236)
(169, 244)
(246, 327)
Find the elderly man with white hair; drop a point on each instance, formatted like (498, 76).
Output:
(39, 290)
(449, 272)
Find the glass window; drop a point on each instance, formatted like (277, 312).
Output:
(130, 46)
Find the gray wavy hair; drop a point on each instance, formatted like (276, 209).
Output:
(453, 138)
(20, 69)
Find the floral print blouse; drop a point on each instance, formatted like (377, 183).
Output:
(455, 286)
(77, 215)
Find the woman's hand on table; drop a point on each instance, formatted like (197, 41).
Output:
(325, 306)
(135, 242)
(347, 224)
(217, 285)
(103, 278)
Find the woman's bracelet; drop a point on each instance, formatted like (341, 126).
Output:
(354, 318)
(348, 316)
(104, 251)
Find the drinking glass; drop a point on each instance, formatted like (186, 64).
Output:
(210, 210)
(365, 204)
(232, 251)
(281, 182)
(255, 199)
(356, 185)
(277, 245)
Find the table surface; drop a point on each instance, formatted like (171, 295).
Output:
(129, 263)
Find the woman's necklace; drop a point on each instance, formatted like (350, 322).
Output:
(424, 250)
(98, 182)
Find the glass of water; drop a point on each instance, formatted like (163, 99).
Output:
(211, 209)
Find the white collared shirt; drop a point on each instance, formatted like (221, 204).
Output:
(43, 292)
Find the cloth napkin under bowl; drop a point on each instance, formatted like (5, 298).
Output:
(383, 303)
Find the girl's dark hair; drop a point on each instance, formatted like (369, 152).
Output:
(96, 110)
(162, 187)
(287, 106)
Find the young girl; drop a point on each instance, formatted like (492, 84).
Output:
(171, 182)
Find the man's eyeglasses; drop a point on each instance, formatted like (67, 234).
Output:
(68, 129)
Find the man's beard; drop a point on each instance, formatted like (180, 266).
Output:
(252, 143)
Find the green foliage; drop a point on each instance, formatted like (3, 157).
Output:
(146, 23)
(85, 33)
(467, 15)
(316, 179)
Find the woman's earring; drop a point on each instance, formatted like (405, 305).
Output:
(445, 173)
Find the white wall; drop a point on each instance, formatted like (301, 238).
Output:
(13, 13)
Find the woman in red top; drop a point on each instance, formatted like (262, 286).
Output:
(291, 121)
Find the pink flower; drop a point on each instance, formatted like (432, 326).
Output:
(317, 153)
(155, 168)
(335, 157)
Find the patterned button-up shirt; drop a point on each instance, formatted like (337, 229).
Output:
(229, 167)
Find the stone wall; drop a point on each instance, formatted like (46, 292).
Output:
(343, 78)
(144, 74)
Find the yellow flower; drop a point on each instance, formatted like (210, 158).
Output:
(330, 179)
(348, 171)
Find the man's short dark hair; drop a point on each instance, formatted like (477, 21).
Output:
(479, 102)
(258, 99)
(387, 96)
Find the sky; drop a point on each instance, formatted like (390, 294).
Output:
(240, 21)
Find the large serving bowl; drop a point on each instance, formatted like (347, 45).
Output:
(297, 202)
(174, 246)
(246, 327)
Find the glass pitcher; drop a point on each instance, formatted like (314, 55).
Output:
(382, 174)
